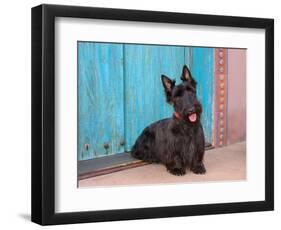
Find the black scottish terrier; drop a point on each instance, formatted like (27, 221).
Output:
(177, 142)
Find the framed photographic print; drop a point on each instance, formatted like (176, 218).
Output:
(143, 114)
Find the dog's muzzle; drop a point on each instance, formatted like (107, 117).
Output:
(192, 117)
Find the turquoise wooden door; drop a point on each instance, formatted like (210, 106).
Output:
(100, 100)
(120, 92)
(202, 69)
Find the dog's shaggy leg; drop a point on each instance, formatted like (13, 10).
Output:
(198, 168)
(197, 165)
(176, 167)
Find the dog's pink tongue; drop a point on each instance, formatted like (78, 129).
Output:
(192, 117)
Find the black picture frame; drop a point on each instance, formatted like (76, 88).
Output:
(43, 114)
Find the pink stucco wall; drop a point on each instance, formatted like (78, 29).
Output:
(236, 130)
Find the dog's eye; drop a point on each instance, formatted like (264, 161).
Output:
(190, 88)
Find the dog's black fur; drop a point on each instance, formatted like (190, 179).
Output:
(176, 142)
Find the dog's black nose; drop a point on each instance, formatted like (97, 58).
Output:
(191, 110)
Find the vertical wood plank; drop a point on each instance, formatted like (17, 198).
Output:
(188, 56)
(202, 68)
(100, 99)
(145, 101)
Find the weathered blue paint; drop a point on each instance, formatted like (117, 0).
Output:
(144, 95)
(120, 91)
(202, 68)
(100, 99)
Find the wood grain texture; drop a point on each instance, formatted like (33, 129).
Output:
(120, 91)
(145, 101)
(100, 99)
(202, 68)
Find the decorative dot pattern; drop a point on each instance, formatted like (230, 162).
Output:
(221, 96)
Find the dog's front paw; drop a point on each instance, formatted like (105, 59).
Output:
(177, 171)
(199, 169)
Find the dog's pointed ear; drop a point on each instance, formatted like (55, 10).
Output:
(186, 76)
(168, 85)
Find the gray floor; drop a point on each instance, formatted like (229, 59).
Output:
(222, 164)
